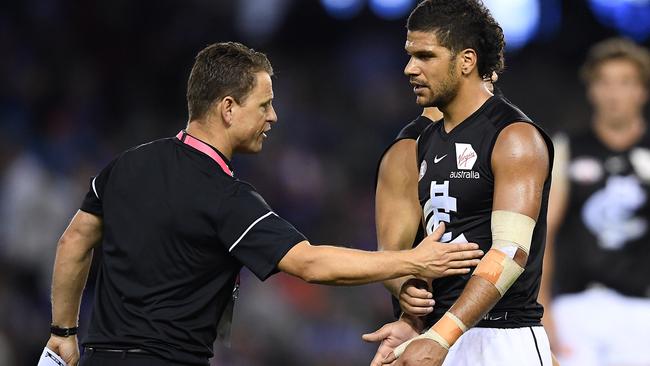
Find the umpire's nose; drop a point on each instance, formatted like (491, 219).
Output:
(272, 116)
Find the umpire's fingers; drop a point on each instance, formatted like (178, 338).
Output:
(438, 232)
(464, 264)
(455, 271)
(465, 255)
(461, 247)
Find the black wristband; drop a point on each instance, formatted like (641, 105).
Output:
(63, 332)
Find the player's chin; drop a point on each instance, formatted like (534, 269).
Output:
(423, 101)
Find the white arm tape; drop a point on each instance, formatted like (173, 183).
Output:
(512, 229)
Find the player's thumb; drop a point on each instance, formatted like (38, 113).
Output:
(378, 335)
(390, 358)
(438, 232)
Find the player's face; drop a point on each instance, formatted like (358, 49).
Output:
(617, 92)
(432, 70)
(254, 116)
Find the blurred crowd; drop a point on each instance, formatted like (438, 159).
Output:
(82, 81)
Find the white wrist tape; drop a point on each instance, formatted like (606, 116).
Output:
(445, 332)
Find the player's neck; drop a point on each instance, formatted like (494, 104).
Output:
(206, 132)
(468, 101)
(621, 134)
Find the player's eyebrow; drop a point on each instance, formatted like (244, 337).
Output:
(422, 53)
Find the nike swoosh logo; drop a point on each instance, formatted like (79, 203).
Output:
(437, 159)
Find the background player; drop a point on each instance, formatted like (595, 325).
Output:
(599, 214)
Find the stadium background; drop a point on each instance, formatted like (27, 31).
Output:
(82, 81)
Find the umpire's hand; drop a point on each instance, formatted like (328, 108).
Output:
(445, 259)
(66, 347)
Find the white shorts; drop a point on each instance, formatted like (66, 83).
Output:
(603, 328)
(501, 347)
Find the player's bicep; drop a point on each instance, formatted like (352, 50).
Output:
(397, 209)
(520, 163)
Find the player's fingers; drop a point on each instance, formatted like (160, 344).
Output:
(376, 361)
(438, 232)
(378, 335)
(419, 293)
(381, 353)
(464, 264)
(416, 311)
(390, 358)
(416, 302)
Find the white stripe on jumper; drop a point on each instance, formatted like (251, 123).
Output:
(95, 189)
(250, 227)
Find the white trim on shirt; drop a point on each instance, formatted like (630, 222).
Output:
(249, 228)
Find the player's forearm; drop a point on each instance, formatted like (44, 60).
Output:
(394, 286)
(476, 300)
(343, 266)
(71, 269)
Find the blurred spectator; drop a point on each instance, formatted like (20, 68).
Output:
(598, 246)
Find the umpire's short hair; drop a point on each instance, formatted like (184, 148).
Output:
(616, 49)
(220, 70)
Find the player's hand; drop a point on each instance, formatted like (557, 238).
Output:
(445, 259)
(390, 335)
(415, 298)
(66, 347)
(421, 352)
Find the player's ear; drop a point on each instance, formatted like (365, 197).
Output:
(226, 108)
(468, 61)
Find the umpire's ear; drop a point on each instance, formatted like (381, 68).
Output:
(225, 108)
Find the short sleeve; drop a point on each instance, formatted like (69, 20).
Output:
(253, 233)
(92, 203)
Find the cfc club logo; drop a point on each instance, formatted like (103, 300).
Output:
(465, 156)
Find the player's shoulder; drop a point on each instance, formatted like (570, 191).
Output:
(502, 112)
(414, 129)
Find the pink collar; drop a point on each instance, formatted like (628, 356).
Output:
(187, 139)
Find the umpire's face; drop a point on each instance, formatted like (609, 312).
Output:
(254, 116)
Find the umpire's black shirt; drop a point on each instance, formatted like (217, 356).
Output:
(177, 230)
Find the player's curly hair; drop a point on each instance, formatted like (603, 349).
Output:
(220, 70)
(462, 24)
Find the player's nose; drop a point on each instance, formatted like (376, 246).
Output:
(410, 69)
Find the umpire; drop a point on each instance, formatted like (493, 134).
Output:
(175, 227)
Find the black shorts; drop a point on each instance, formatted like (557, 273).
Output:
(99, 357)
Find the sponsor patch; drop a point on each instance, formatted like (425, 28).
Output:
(465, 156)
